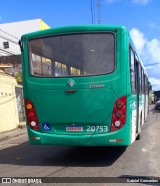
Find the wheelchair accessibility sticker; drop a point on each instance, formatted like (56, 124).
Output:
(46, 126)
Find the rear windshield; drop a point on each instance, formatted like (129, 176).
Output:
(72, 55)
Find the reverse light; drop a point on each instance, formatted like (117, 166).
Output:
(118, 114)
(31, 115)
(33, 123)
(117, 123)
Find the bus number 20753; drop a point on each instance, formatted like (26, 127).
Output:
(100, 129)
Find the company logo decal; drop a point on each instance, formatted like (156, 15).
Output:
(71, 83)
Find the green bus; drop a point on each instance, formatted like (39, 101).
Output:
(83, 86)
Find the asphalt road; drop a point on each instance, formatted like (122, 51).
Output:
(142, 158)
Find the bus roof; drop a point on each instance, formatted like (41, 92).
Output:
(71, 29)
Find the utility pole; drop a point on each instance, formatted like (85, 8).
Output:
(99, 11)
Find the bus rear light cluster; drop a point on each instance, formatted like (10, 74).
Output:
(118, 114)
(31, 115)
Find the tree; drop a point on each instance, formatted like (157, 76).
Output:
(19, 77)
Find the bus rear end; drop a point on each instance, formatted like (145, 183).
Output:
(75, 88)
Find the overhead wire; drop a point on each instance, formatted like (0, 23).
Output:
(6, 38)
(8, 34)
(99, 11)
(147, 65)
(91, 4)
(8, 52)
(93, 11)
(9, 56)
(3, 37)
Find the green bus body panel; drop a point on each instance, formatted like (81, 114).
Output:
(80, 140)
(85, 107)
(82, 108)
(70, 30)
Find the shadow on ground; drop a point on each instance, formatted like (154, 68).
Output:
(27, 155)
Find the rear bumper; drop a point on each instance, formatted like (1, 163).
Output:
(121, 137)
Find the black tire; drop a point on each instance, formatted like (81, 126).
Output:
(139, 134)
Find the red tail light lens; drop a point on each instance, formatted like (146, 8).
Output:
(31, 115)
(118, 114)
(119, 104)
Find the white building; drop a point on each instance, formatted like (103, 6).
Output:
(10, 63)
(10, 33)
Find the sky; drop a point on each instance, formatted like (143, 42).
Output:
(140, 17)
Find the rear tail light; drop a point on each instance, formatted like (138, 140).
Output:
(31, 115)
(118, 114)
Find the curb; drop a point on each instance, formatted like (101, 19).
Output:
(20, 130)
(22, 125)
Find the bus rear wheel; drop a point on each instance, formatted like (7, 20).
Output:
(139, 136)
(140, 127)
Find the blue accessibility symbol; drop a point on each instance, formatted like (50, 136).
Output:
(46, 126)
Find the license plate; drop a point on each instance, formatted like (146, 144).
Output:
(74, 128)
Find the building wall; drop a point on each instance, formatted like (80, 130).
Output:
(12, 32)
(43, 25)
(17, 29)
(8, 105)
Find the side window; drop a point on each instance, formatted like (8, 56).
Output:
(40, 65)
(146, 85)
(143, 82)
(36, 65)
(60, 69)
(46, 67)
(132, 71)
(140, 78)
